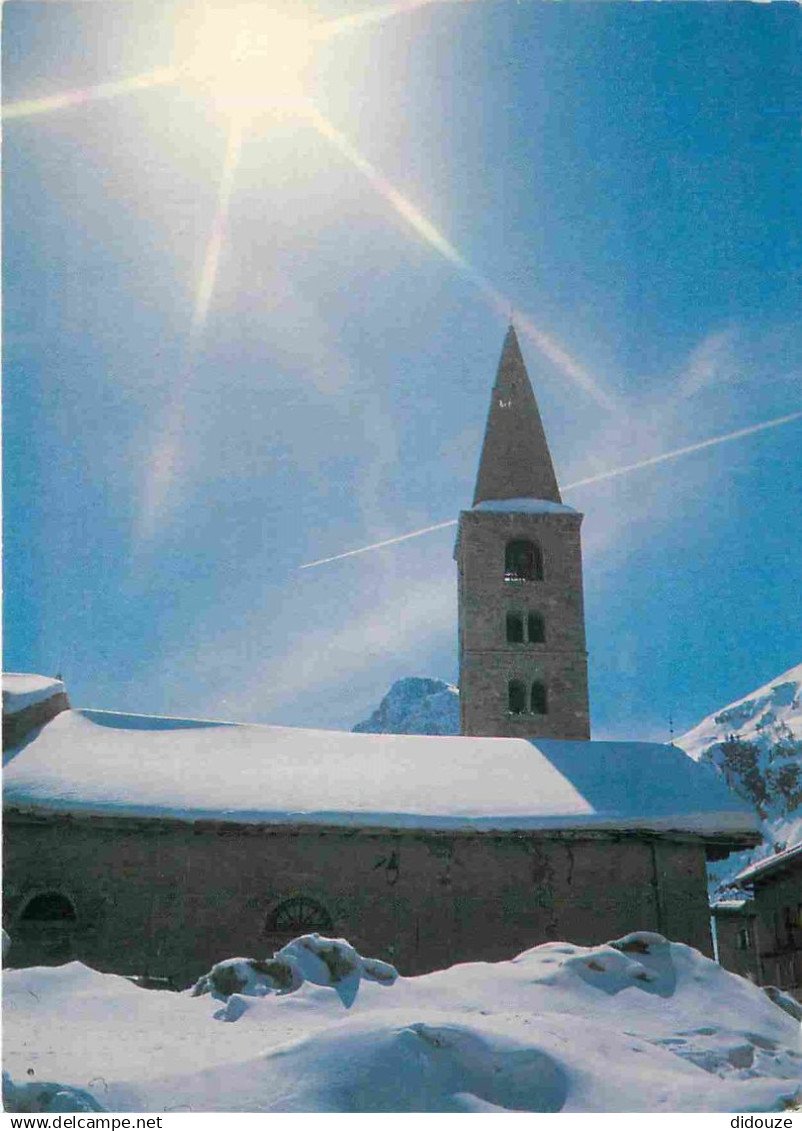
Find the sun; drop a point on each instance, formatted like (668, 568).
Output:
(245, 57)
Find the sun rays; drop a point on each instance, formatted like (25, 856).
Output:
(498, 301)
(31, 107)
(248, 60)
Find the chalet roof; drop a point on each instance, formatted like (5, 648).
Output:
(734, 907)
(755, 873)
(100, 763)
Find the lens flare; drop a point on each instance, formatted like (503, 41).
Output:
(162, 468)
(244, 56)
(614, 473)
(498, 301)
(375, 15)
(33, 106)
(214, 246)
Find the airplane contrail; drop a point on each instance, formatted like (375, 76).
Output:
(612, 474)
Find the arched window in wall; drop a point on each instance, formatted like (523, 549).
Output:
(516, 693)
(539, 698)
(529, 628)
(536, 628)
(298, 915)
(523, 561)
(48, 907)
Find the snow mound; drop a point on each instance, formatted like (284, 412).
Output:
(46, 1097)
(784, 1000)
(415, 706)
(250, 976)
(309, 958)
(636, 1024)
(21, 690)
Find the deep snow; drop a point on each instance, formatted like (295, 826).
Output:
(636, 1025)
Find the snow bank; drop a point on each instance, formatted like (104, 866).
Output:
(21, 690)
(285, 775)
(639, 1024)
(309, 958)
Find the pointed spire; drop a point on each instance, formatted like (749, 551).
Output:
(515, 461)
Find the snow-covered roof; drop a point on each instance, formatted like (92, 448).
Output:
(86, 762)
(523, 506)
(21, 690)
(790, 856)
(731, 906)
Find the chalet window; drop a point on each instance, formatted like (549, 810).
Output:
(523, 561)
(517, 697)
(539, 700)
(49, 907)
(515, 628)
(536, 628)
(299, 915)
(743, 941)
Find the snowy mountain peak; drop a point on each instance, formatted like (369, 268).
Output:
(756, 743)
(415, 706)
(772, 712)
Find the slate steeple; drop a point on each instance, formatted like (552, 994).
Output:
(515, 461)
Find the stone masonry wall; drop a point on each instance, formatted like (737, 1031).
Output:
(168, 899)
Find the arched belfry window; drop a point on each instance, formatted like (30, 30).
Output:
(298, 915)
(516, 693)
(539, 698)
(48, 907)
(525, 629)
(536, 628)
(523, 561)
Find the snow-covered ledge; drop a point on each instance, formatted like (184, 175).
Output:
(29, 701)
(523, 506)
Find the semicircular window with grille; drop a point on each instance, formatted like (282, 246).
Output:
(299, 915)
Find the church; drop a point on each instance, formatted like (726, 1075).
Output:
(154, 847)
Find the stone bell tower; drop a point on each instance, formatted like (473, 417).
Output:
(522, 658)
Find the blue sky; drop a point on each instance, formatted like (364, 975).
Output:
(219, 369)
